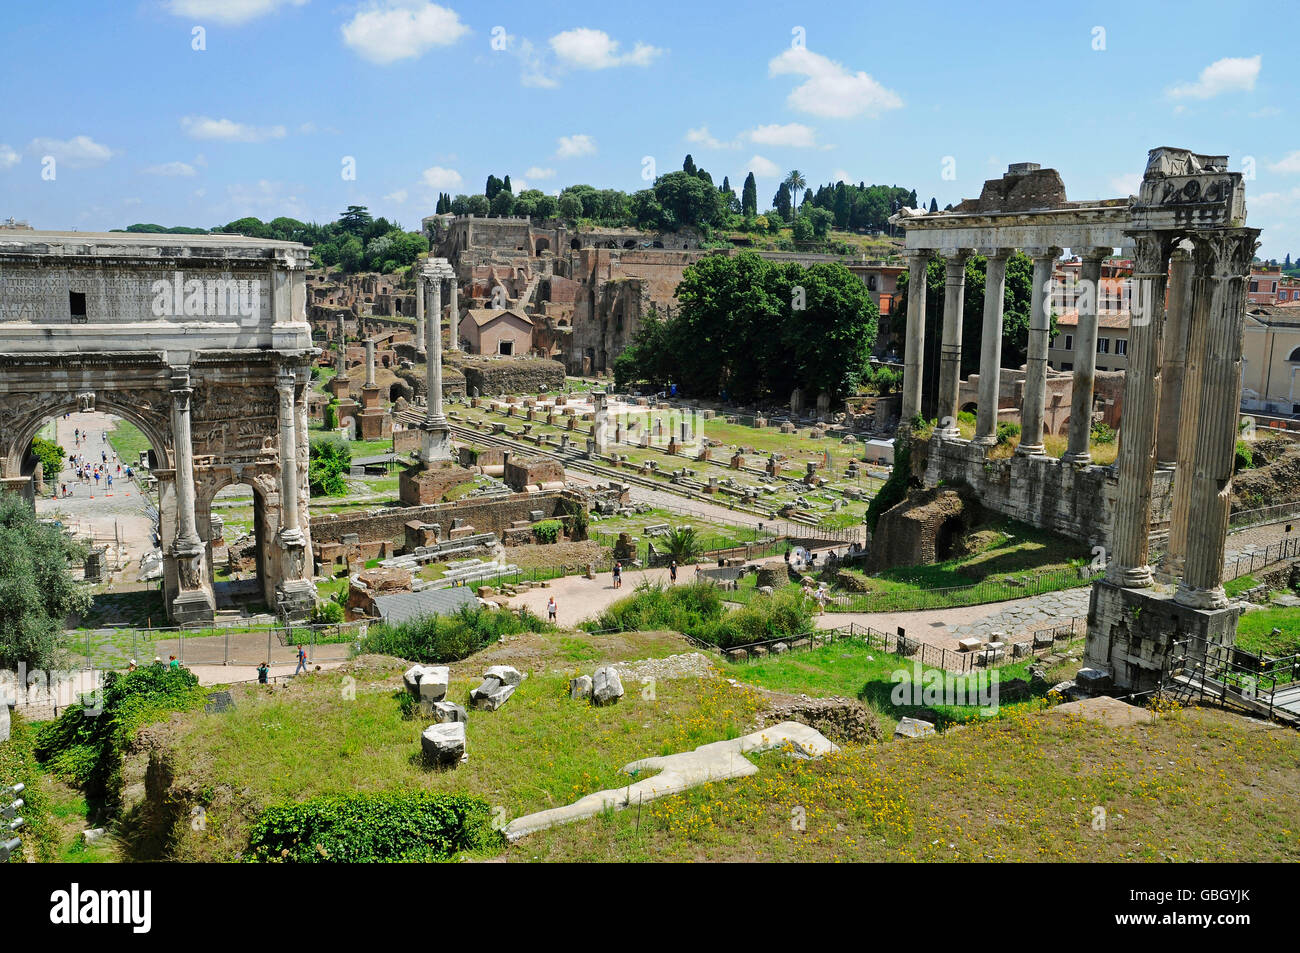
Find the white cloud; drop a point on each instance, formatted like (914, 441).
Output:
(391, 30)
(585, 48)
(77, 152)
(795, 135)
(572, 146)
(227, 130)
(228, 12)
(534, 68)
(8, 157)
(703, 137)
(1230, 74)
(171, 169)
(265, 200)
(762, 168)
(397, 198)
(436, 177)
(537, 172)
(1127, 184)
(1266, 113)
(839, 175)
(519, 185)
(830, 89)
(1288, 165)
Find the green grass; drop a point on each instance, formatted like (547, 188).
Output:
(1255, 631)
(127, 441)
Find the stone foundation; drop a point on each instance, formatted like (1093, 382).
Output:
(420, 487)
(1130, 632)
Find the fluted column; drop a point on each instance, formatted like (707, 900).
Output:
(995, 275)
(1222, 263)
(1194, 327)
(454, 314)
(1033, 409)
(1085, 358)
(187, 534)
(954, 289)
(1137, 437)
(914, 342)
(290, 533)
(433, 348)
(420, 292)
(341, 358)
(1174, 359)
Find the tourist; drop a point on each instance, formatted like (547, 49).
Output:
(110, 481)
(672, 571)
(263, 671)
(618, 575)
(174, 663)
(96, 479)
(821, 599)
(551, 609)
(132, 666)
(302, 660)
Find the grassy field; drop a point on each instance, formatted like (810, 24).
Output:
(1190, 786)
(127, 441)
(309, 738)
(1255, 631)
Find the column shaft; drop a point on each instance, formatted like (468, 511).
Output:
(1195, 328)
(1174, 360)
(1085, 362)
(455, 315)
(1033, 409)
(285, 385)
(187, 535)
(370, 362)
(954, 289)
(420, 292)
(1137, 438)
(433, 349)
(986, 424)
(1222, 263)
(914, 342)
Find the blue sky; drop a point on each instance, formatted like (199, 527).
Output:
(428, 97)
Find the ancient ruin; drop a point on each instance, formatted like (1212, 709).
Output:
(202, 342)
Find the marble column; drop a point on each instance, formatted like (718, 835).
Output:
(1174, 359)
(454, 314)
(436, 442)
(290, 533)
(954, 290)
(1222, 263)
(1033, 408)
(341, 358)
(914, 341)
(370, 362)
(1085, 358)
(419, 314)
(995, 275)
(187, 534)
(1193, 327)
(1136, 461)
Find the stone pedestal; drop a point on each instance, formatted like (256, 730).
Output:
(1130, 632)
(419, 486)
(374, 423)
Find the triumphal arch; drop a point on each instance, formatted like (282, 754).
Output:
(202, 342)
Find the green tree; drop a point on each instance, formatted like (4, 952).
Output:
(329, 463)
(796, 183)
(781, 202)
(688, 165)
(688, 200)
(749, 197)
(503, 204)
(570, 207)
(355, 220)
(37, 591)
(51, 456)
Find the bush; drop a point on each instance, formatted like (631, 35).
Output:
(966, 417)
(18, 766)
(450, 638)
(785, 614)
(683, 545)
(86, 749)
(331, 461)
(1007, 431)
(696, 610)
(894, 490)
(52, 457)
(1245, 459)
(326, 612)
(403, 826)
(547, 531)
(1102, 433)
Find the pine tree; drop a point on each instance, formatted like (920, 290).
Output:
(781, 202)
(688, 166)
(506, 186)
(749, 197)
(934, 205)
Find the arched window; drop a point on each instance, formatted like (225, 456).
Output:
(1295, 356)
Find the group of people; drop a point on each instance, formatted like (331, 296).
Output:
(102, 473)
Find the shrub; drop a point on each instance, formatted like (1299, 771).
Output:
(330, 462)
(1102, 433)
(86, 749)
(450, 638)
(326, 612)
(683, 545)
(1007, 431)
(18, 766)
(400, 826)
(786, 613)
(966, 417)
(1245, 459)
(547, 531)
(51, 456)
(696, 610)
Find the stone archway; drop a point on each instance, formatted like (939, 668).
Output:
(202, 342)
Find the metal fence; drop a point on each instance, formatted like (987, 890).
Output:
(1195, 669)
(1264, 514)
(1286, 549)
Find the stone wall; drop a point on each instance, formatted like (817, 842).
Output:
(1042, 491)
(492, 376)
(921, 530)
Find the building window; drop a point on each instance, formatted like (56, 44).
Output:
(1067, 367)
(1103, 345)
(1121, 346)
(77, 306)
(1069, 342)
(1254, 286)
(506, 347)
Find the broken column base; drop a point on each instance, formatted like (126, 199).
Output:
(1130, 632)
(195, 605)
(420, 486)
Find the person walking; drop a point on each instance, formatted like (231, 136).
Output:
(618, 575)
(173, 663)
(672, 571)
(263, 671)
(302, 660)
(110, 481)
(551, 609)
